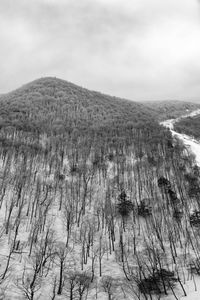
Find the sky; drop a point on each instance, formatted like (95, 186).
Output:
(135, 49)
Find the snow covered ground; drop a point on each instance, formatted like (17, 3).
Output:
(93, 231)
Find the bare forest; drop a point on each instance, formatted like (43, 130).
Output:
(111, 213)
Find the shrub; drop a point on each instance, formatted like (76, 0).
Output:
(158, 282)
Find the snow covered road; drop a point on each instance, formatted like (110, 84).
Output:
(189, 141)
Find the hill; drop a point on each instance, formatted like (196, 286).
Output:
(51, 104)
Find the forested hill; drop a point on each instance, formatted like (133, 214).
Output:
(54, 105)
(51, 104)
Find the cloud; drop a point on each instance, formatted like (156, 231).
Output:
(139, 49)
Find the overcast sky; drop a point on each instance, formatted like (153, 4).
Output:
(136, 49)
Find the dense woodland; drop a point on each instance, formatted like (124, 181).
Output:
(100, 203)
(189, 126)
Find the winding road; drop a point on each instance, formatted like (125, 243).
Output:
(189, 141)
